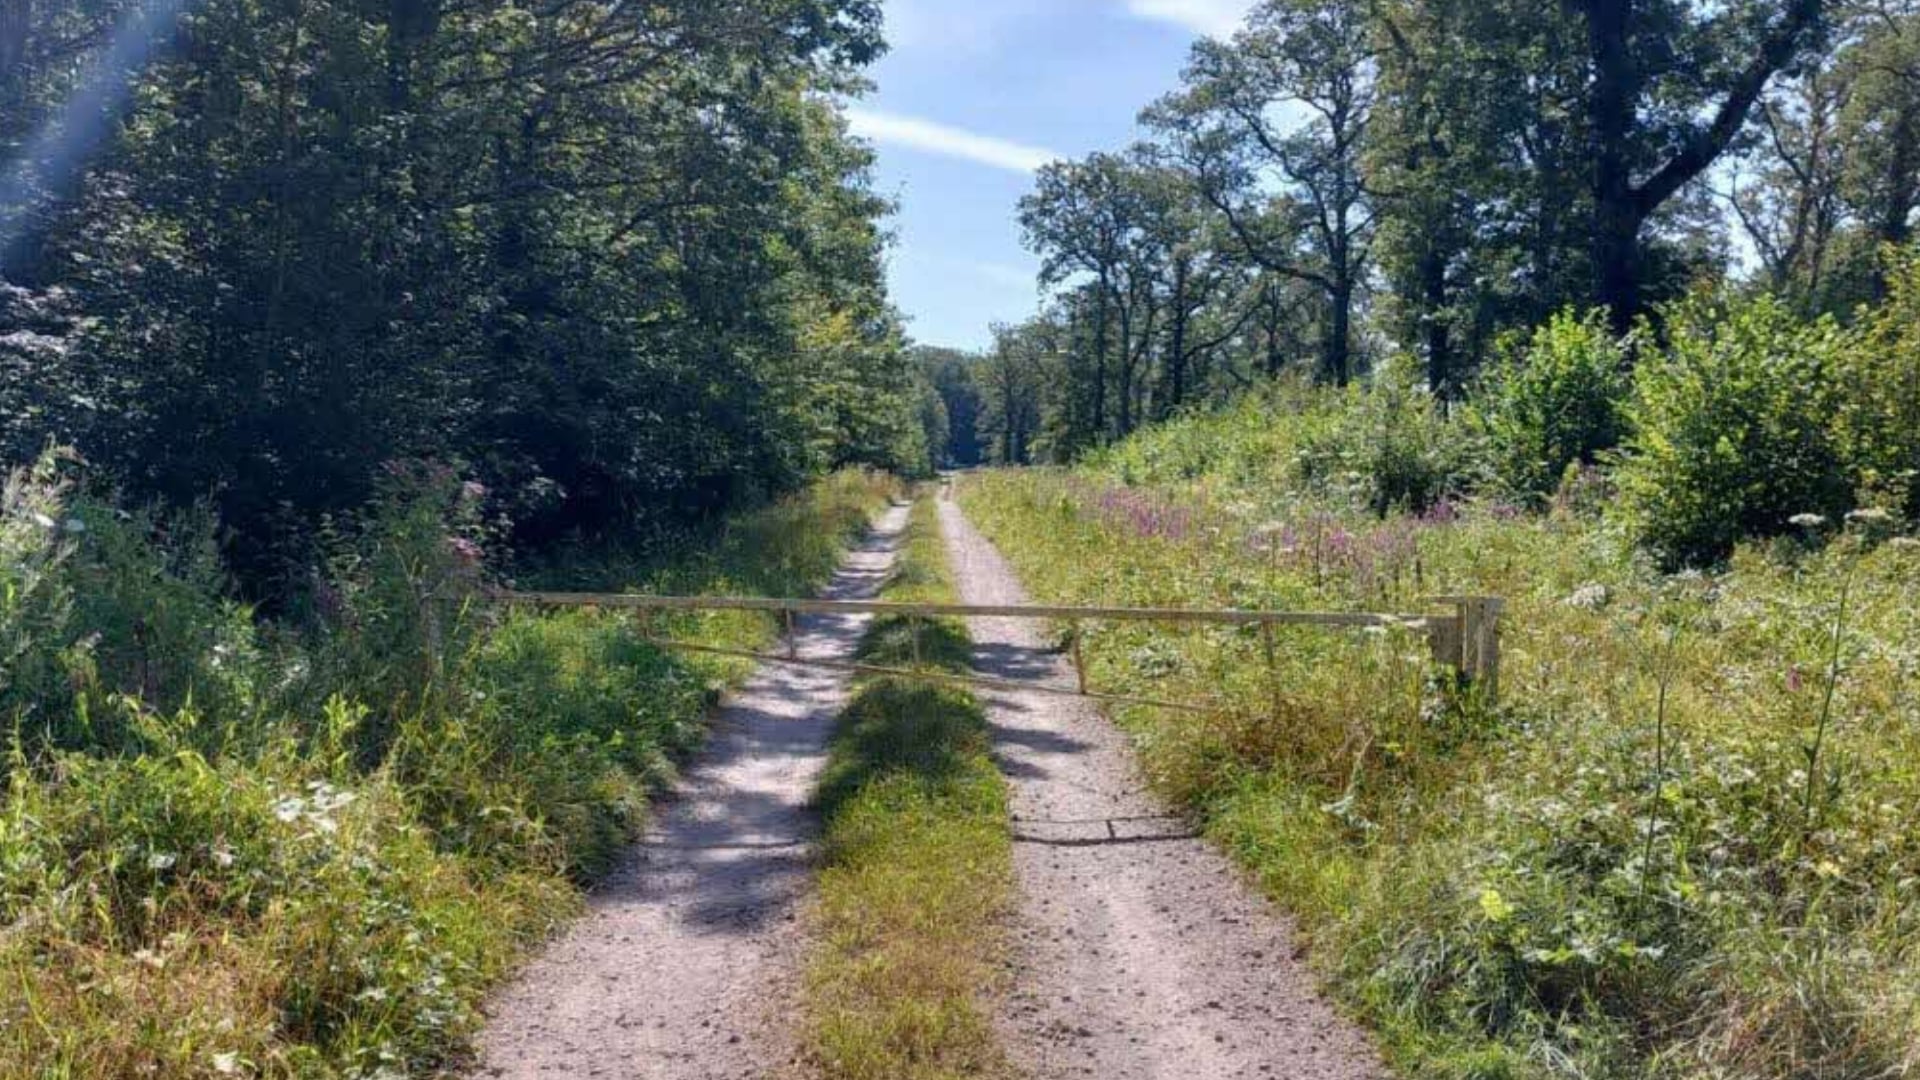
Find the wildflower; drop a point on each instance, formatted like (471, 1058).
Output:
(222, 857)
(1794, 681)
(43, 521)
(226, 1064)
(160, 861)
(1807, 521)
(464, 550)
(1590, 597)
(289, 809)
(473, 491)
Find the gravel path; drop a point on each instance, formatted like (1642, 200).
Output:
(689, 951)
(1140, 951)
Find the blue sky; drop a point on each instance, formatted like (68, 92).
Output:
(972, 97)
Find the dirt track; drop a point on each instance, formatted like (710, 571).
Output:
(687, 955)
(1140, 952)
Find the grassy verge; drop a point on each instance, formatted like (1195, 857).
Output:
(307, 850)
(1681, 846)
(917, 859)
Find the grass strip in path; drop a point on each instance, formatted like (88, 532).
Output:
(917, 858)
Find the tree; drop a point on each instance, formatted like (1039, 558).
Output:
(1672, 84)
(623, 260)
(1273, 125)
(1012, 378)
(1082, 219)
(951, 374)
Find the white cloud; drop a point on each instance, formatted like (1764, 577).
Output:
(914, 133)
(1016, 278)
(976, 27)
(1214, 18)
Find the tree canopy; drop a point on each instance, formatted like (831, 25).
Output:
(623, 261)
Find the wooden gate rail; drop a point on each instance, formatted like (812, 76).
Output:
(1466, 640)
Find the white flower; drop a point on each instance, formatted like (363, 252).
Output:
(43, 520)
(226, 1064)
(222, 857)
(289, 809)
(160, 860)
(1590, 597)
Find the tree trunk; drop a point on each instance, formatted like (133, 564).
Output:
(1124, 384)
(1176, 395)
(1101, 340)
(1271, 312)
(1621, 207)
(1903, 189)
(1339, 345)
(1616, 214)
(1437, 331)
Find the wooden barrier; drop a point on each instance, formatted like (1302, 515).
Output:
(1466, 640)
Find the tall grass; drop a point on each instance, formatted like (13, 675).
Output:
(917, 858)
(307, 848)
(1681, 846)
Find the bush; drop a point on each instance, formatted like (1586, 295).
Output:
(1559, 402)
(1389, 447)
(35, 600)
(306, 848)
(106, 614)
(1734, 430)
(1878, 424)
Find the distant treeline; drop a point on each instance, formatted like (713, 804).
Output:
(1345, 181)
(620, 261)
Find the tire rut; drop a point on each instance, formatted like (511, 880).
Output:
(681, 966)
(1140, 951)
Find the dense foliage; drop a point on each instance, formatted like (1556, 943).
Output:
(1341, 183)
(623, 260)
(269, 850)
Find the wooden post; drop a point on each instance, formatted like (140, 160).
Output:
(793, 639)
(1447, 637)
(1480, 643)
(1079, 661)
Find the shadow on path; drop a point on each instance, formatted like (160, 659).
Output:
(676, 969)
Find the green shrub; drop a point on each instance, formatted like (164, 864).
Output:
(1878, 423)
(1734, 430)
(1560, 401)
(36, 601)
(1388, 446)
(307, 848)
(106, 614)
(388, 613)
